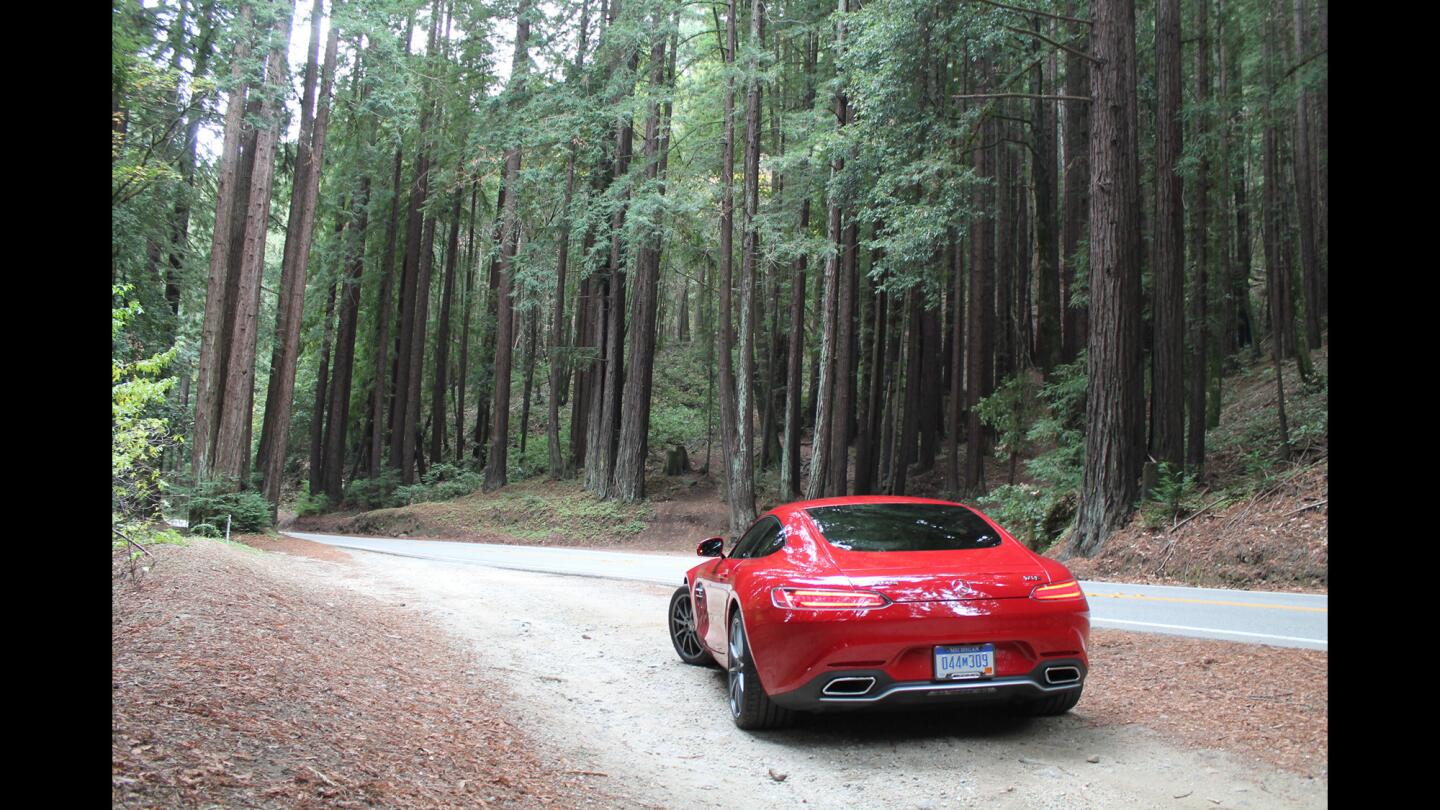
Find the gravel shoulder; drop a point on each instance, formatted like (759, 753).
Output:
(248, 679)
(588, 670)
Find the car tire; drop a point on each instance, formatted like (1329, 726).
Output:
(682, 630)
(1055, 704)
(750, 707)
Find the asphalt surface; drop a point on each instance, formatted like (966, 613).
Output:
(1256, 617)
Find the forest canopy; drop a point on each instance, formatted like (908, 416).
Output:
(372, 251)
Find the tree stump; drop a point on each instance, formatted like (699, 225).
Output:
(677, 461)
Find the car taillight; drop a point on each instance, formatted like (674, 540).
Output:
(826, 599)
(1069, 589)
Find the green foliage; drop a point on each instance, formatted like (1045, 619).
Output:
(1021, 509)
(374, 493)
(139, 434)
(206, 530)
(1059, 426)
(307, 504)
(1173, 495)
(1029, 414)
(212, 500)
(442, 482)
(1011, 409)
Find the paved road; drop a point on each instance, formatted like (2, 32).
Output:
(1257, 617)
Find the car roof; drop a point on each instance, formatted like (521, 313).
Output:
(854, 500)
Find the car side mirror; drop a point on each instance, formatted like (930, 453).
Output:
(711, 547)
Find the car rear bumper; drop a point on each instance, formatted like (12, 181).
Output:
(841, 690)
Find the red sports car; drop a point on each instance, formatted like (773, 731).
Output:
(845, 603)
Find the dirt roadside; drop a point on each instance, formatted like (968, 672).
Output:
(246, 679)
(589, 671)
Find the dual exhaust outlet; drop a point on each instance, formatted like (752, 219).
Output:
(857, 686)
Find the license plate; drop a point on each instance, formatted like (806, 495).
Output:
(964, 662)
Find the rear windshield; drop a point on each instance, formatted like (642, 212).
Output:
(903, 527)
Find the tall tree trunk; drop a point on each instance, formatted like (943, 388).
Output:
(790, 446)
(1240, 281)
(299, 232)
(957, 368)
(462, 379)
(1168, 429)
(442, 337)
(1200, 376)
(495, 467)
(910, 424)
(1278, 270)
(333, 459)
(1047, 244)
(559, 466)
(232, 446)
(1114, 399)
(734, 419)
(980, 358)
(402, 421)
(412, 442)
(1074, 321)
(834, 357)
(1006, 169)
(632, 448)
(213, 344)
(318, 432)
(384, 319)
(1305, 191)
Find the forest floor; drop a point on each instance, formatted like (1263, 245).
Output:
(321, 677)
(1254, 520)
(238, 679)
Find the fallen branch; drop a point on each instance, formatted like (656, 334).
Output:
(322, 776)
(1305, 508)
(132, 542)
(1212, 505)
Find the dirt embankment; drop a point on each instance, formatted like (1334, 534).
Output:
(1279, 539)
(240, 679)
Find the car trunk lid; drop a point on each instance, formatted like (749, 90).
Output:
(1006, 571)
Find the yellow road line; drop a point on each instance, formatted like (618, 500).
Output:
(1208, 602)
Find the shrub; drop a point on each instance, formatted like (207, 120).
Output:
(139, 431)
(307, 504)
(374, 493)
(211, 501)
(442, 482)
(1172, 496)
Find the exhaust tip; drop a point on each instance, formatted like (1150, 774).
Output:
(1055, 675)
(848, 687)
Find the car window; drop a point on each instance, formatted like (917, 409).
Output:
(757, 541)
(903, 527)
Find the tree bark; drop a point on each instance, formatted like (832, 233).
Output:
(1304, 170)
(633, 445)
(319, 434)
(734, 419)
(213, 344)
(1114, 399)
(495, 467)
(442, 337)
(1047, 244)
(299, 236)
(1074, 321)
(338, 417)
(232, 446)
(1168, 428)
(980, 355)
